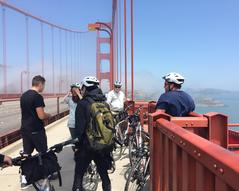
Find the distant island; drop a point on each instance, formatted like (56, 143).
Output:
(208, 102)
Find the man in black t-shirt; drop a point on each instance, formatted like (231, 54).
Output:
(32, 108)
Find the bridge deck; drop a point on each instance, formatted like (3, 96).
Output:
(58, 132)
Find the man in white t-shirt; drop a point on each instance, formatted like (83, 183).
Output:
(116, 98)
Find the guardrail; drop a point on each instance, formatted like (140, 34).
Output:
(14, 135)
(182, 160)
(16, 97)
(211, 126)
(233, 136)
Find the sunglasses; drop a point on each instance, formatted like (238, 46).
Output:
(118, 87)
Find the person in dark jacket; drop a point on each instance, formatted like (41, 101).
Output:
(174, 101)
(84, 154)
(5, 160)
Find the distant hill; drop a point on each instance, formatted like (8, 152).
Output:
(207, 97)
(208, 91)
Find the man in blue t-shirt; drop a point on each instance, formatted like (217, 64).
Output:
(174, 101)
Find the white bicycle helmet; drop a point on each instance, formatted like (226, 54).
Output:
(173, 77)
(118, 83)
(76, 85)
(90, 81)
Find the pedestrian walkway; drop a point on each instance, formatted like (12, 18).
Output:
(58, 132)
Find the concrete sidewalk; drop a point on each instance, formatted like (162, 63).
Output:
(57, 132)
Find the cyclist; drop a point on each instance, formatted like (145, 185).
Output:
(71, 99)
(116, 98)
(84, 153)
(174, 101)
(33, 114)
(5, 160)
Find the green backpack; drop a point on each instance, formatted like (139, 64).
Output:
(100, 131)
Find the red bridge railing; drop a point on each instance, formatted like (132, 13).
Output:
(182, 160)
(14, 135)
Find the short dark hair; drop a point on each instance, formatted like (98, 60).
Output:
(178, 86)
(36, 80)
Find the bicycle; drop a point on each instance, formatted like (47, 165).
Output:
(121, 132)
(138, 138)
(139, 173)
(44, 165)
(91, 178)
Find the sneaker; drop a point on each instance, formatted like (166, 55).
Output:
(24, 186)
(23, 181)
(53, 176)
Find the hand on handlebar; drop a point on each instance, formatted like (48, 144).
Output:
(7, 160)
(57, 148)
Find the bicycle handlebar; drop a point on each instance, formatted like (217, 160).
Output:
(55, 148)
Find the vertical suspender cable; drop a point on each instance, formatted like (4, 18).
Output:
(66, 49)
(27, 52)
(53, 59)
(120, 44)
(42, 49)
(132, 48)
(4, 49)
(125, 48)
(71, 57)
(117, 41)
(78, 57)
(60, 60)
(76, 65)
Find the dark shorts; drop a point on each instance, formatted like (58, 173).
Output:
(36, 140)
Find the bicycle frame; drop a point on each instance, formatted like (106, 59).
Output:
(44, 184)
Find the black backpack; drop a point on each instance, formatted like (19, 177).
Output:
(41, 167)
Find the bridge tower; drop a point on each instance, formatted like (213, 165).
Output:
(103, 57)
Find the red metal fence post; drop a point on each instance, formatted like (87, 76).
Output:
(218, 130)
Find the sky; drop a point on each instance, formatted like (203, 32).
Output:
(197, 38)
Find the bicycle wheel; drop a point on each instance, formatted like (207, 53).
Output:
(132, 149)
(146, 176)
(91, 178)
(145, 138)
(121, 137)
(43, 185)
(117, 152)
(135, 181)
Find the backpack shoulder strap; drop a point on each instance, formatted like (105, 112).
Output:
(90, 100)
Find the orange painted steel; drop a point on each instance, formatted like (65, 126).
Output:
(211, 126)
(132, 49)
(125, 49)
(182, 160)
(233, 125)
(233, 140)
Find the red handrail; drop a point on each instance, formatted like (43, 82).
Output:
(185, 161)
(15, 134)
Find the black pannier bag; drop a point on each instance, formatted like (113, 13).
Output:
(41, 167)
